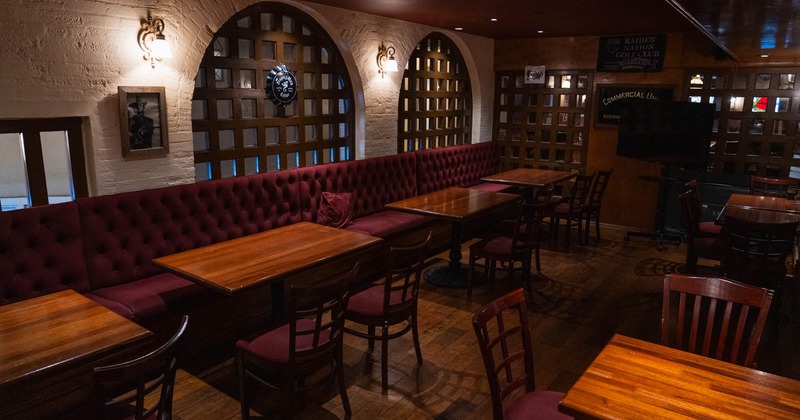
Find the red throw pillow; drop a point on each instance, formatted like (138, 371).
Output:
(335, 209)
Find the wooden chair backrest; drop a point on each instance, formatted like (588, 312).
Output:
(505, 345)
(601, 179)
(403, 276)
(324, 303)
(775, 187)
(714, 317)
(146, 382)
(755, 252)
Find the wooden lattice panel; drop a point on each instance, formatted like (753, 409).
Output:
(543, 125)
(435, 106)
(757, 118)
(237, 130)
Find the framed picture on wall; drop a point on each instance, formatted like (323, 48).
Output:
(143, 120)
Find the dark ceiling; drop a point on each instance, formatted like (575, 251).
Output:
(735, 25)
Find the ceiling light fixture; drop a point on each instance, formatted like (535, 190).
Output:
(459, 28)
(152, 40)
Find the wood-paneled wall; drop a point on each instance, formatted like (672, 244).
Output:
(629, 201)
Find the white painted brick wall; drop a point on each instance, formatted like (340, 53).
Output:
(67, 58)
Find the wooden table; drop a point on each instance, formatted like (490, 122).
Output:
(631, 378)
(529, 177)
(48, 337)
(456, 205)
(265, 258)
(758, 208)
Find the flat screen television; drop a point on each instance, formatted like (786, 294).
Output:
(668, 132)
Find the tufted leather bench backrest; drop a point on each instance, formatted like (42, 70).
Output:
(123, 232)
(374, 183)
(455, 166)
(41, 252)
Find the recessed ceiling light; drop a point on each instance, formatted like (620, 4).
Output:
(764, 55)
(493, 19)
(459, 28)
(540, 31)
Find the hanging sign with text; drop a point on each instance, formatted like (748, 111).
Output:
(609, 97)
(642, 53)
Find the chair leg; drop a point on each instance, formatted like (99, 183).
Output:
(597, 224)
(244, 405)
(470, 275)
(371, 340)
(526, 274)
(385, 357)
(586, 228)
(415, 336)
(348, 412)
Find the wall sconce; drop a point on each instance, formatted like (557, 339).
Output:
(152, 40)
(386, 61)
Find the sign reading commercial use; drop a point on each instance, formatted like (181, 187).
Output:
(609, 97)
(642, 53)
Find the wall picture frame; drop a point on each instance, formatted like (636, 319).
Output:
(143, 120)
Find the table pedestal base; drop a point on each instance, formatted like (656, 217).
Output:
(450, 277)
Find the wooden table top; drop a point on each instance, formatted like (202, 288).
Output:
(763, 203)
(454, 203)
(757, 215)
(233, 265)
(530, 177)
(47, 333)
(631, 378)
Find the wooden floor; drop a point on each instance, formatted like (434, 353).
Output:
(593, 292)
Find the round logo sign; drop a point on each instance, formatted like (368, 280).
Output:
(281, 85)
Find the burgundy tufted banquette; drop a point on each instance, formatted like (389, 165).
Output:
(102, 246)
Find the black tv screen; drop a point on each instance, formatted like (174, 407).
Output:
(668, 132)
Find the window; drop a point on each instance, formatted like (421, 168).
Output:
(435, 106)
(41, 162)
(238, 131)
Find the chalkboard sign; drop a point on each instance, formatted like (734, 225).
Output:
(609, 96)
(642, 53)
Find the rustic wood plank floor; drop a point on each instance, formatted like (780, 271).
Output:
(593, 292)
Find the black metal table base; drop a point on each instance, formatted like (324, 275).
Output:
(446, 276)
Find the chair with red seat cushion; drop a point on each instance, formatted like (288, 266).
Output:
(310, 341)
(714, 317)
(504, 338)
(506, 227)
(697, 244)
(572, 208)
(151, 376)
(706, 227)
(390, 303)
(510, 247)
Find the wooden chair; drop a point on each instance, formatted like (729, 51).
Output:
(594, 201)
(715, 317)
(756, 253)
(774, 187)
(391, 303)
(698, 245)
(572, 208)
(140, 388)
(709, 228)
(504, 339)
(515, 246)
(310, 341)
